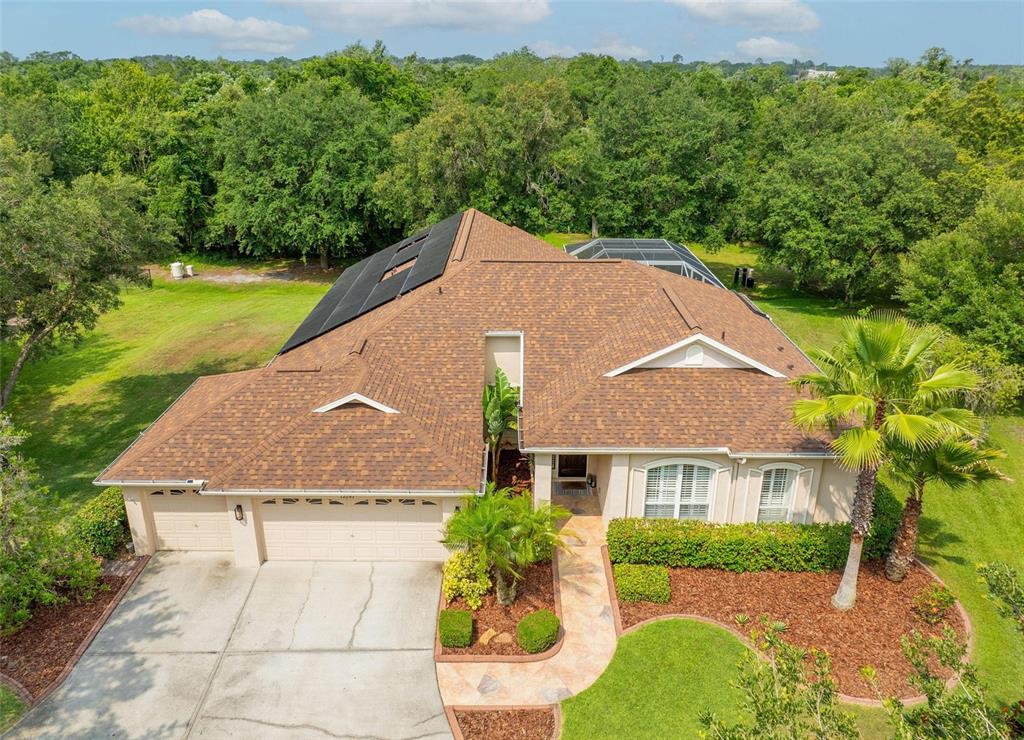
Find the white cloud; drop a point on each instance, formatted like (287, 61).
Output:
(466, 15)
(247, 34)
(766, 47)
(604, 43)
(762, 15)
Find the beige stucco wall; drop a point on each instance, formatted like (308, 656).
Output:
(823, 491)
(835, 494)
(504, 352)
(541, 479)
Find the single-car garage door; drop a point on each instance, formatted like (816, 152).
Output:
(184, 520)
(331, 528)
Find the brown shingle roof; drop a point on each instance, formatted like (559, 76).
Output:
(423, 354)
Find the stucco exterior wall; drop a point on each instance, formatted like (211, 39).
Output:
(823, 491)
(503, 351)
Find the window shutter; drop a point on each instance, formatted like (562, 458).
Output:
(776, 498)
(804, 481)
(660, 495)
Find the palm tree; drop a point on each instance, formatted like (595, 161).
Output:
(955, 463)
(501, 414)
(874, 389)
(508, 533)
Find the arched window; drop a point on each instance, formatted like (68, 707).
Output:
(778, 487)
(680, 489)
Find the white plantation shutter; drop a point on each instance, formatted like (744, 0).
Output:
(678, 492)
(776, 495)
(661, 494)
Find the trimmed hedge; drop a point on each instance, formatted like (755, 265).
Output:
(102, 524)
(538, 631)
(642, 583)
(749, 547)
(455, 626)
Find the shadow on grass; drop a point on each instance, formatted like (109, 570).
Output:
(74, 442)
(939, 540)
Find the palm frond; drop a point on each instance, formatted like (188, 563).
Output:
(859, 447)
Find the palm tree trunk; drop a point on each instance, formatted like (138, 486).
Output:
(497, 459)
(904, 546)
(860, 524)
(504, 589)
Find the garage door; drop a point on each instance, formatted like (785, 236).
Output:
(329, 528)
(185, 520)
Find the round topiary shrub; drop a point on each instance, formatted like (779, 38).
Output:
(538, 631)
(455, 627)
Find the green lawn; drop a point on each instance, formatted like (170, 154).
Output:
(659, 679)
(11, 707)
(559, 239)
(85, 404)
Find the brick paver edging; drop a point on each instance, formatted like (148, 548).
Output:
(91, 635)
(449, 712)
(20, 691)
(847, 698)
(440, 657)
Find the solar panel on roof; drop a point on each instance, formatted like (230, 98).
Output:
(658, 252)
(370, 282)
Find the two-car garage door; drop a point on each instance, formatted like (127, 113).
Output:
(371, 528)
(306, 528)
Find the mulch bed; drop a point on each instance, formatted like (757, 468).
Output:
(506, 724)
(868, 634)
(514, 471)
(36, 654)
(536, 591)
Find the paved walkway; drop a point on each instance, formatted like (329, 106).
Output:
(588, 646)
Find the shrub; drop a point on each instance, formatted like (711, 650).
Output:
(538, 631)
(102, 524)
(40, 563)
(642, 583)
(455, 627)
(465, 575)
(749, 547)
(933, 603)
(1014, 716)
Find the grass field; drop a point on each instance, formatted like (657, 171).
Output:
(660, 677)
(84, 404)
(11, 707)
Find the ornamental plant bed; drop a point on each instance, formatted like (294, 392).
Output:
(536, 591)
(507, 724)
(514, 471)
(36, 655)
(868, 634)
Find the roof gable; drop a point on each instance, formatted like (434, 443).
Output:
(696, 351)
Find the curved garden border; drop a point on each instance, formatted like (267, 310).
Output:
(82, 647)
(449, 713)
(440, 657)
(745, 639)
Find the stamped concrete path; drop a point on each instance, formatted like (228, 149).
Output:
(587, 647)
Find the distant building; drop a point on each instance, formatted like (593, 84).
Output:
(816, 74)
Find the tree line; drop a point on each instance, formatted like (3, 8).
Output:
(901, 184)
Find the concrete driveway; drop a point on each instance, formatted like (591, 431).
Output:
(200, 648)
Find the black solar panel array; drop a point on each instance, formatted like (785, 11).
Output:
(363, 286)
(657, 252)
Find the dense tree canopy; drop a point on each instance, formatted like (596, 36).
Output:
(863, 186)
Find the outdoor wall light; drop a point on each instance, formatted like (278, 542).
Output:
(239, 514)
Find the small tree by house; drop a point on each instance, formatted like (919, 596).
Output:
(507, 532)
(501, 414)
(876, 388)
(954, 464)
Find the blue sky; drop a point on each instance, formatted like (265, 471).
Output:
(846, 32)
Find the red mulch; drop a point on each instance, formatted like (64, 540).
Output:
(514, 471)
(536, 591)
(36, 654)
(868, 634)
(506, 724)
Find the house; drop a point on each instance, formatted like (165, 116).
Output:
(817, 74)
(654, 394)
